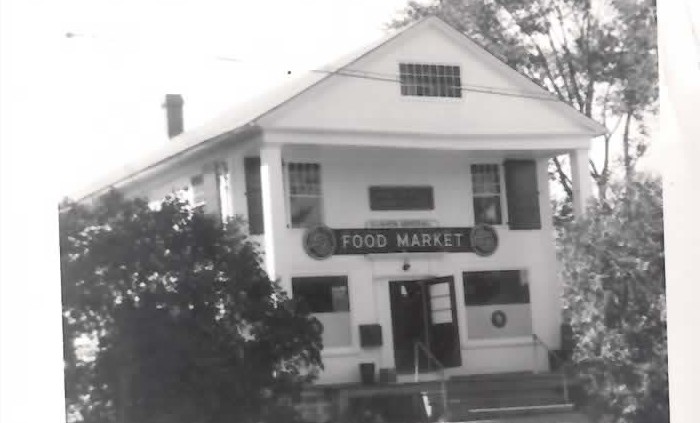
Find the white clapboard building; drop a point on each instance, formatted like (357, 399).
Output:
(403, 193)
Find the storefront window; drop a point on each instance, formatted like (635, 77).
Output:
(495, 287)
(328, 300)
(497, 304)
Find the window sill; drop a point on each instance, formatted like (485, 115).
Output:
(340, 352)
(519, 341)
(494, 225)
(431, 99)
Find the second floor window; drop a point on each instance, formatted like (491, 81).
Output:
(486, 191)
(305, 196)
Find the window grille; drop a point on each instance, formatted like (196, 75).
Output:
(305, 197)
(486, 191)
(429, 80)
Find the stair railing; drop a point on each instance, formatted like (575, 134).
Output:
(538, 342)
(420, 347)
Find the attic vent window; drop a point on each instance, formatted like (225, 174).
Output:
(427, 80)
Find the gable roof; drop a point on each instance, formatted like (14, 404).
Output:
(238, 122)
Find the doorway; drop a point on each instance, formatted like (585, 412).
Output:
(424, 311)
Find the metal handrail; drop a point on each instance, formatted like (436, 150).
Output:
(419, 346)
(537, 341)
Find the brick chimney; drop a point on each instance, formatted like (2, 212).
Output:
(173, 114)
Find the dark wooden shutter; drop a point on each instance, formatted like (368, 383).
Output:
(253, 189)
(522, 194)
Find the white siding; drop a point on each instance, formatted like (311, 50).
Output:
(366, 104)
(347, 175)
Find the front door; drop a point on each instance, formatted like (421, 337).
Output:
(424, 311)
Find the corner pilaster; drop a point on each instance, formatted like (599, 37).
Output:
(274, 213)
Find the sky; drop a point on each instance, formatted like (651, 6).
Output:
(94, 72)
(111, 62)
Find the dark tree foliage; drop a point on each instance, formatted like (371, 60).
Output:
(615, 301)
(185, 325)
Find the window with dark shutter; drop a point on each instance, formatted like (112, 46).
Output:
(305, 196)
(253, 188)
(522, 194)
(486, 193)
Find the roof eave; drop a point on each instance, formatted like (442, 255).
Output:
(127, 176)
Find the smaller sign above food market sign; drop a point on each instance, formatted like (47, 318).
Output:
(322, 242)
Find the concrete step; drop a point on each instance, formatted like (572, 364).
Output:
(499, 402)
(468, 397)
(507, 376)
(478, 388)
(393, 389)
(519, 383)
(547, 417)
(499, 395)
(496, 414)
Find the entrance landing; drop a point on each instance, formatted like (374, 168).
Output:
(547, 418)
(516, 397)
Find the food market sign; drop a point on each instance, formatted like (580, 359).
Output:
(322, 242)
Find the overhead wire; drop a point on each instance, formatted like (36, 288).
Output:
(383, 77)
(463, 87)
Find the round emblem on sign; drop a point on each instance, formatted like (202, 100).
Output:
(484, 240)
(319, 242)
(498, 319)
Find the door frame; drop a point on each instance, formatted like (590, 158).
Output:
(427, 340)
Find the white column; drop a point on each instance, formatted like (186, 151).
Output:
(580, 180)
(274, 214)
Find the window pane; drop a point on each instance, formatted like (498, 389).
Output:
(306, 211)
(487, 210)
(323, 294)
(339, 295)
(305, 194)
(328, 301)
(495, 287)
(337, 331)
(420, 79)
(486, 189)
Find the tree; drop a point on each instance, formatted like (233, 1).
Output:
(186, 325)
(614, 299)
(599, 57)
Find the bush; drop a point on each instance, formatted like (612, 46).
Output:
(613, 261)
(185, 325)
